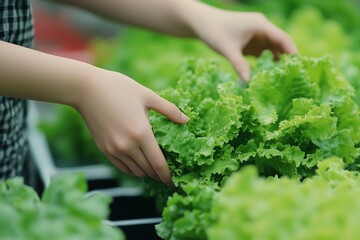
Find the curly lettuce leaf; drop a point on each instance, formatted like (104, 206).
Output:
(304, 103)
(212, 100)
(188, 214)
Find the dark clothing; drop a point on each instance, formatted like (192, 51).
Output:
(16, 26)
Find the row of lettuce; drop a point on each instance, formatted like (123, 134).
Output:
(277, 159)
(251, 207)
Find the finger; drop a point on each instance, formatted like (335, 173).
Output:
(281, 41)
(240, 64)
(287, 45)
(167, 109)
(120, 165)
(131, 164)
(156, 158)
(141, 160)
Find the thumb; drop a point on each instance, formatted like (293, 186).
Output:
(241, 65)
(167, 109)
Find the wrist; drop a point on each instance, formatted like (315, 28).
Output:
(192, 14)
(86, 79)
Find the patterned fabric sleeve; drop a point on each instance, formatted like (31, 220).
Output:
(16, 27)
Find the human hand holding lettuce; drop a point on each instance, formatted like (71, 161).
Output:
(114, 106)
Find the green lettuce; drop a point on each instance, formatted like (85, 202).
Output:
(213, 101)
(325, 206)
(294, 114)
(63, 212)
(188, 212)
(305, 112)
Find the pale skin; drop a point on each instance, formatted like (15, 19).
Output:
(115, 107)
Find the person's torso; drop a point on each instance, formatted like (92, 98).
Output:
(16, 26)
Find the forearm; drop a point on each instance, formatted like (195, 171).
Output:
(175, 17)
(30, 74)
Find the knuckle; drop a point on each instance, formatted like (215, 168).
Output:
(109, 149)
(118, 147)
(150, 95)
(123, 146)
(137, 133)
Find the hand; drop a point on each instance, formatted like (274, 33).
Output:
(235, 34)
(115, 109)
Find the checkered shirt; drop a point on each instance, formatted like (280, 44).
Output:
(16, 26)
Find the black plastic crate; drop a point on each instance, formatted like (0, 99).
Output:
(135, 215)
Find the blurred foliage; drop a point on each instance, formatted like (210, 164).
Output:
(149, 58)
(69, 139)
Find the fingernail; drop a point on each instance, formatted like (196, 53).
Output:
(183, 116)
(170, 183)
(245, 76)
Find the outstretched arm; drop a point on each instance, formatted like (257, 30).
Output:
(165, 16)
(232, 34)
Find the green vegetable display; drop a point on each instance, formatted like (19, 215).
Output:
(295, 113)
(62, 213)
